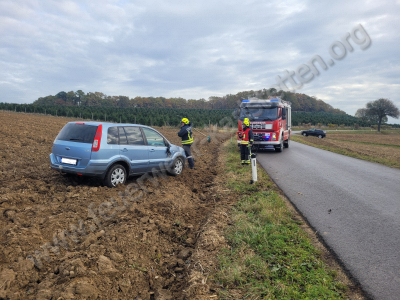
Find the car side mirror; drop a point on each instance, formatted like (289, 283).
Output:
(236, 113)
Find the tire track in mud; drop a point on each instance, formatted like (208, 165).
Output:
(155, 249)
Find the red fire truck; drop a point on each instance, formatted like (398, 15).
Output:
(270, 120)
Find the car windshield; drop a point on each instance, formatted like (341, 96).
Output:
(259, 114)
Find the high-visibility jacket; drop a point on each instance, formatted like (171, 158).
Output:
(186, 134)
(247, 136)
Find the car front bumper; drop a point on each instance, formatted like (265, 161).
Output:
(265, 143)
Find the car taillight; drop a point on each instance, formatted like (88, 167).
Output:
(97, 139)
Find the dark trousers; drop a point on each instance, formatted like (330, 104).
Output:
(245, 154)
(188, 154)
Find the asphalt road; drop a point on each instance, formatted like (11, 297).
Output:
(353, 204)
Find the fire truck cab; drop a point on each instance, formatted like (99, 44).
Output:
(270, 120)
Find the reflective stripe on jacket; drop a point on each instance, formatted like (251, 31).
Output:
(186, 134)
(247, 136)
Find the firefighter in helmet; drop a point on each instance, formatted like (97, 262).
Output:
(246, 142)
(187, 140)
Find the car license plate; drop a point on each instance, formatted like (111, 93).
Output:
(68, 161)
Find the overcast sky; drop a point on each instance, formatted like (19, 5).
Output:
(198, 49)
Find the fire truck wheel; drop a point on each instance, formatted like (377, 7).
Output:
(286, 143)
(280, 147)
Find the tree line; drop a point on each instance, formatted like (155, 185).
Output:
(323, 118)
(300, 102)
(173, 116)
(135, 115)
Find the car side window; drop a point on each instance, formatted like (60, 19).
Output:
(122, 136)
(112, 136)
(134, 135)
(153, 138)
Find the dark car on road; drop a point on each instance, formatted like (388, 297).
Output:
(314, 132)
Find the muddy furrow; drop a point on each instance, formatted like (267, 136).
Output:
(64, 238)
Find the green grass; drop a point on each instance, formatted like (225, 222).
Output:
(270, 257)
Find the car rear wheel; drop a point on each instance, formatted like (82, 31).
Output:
(116, 175)
(305, 134)
(320, 136)
(177, 167)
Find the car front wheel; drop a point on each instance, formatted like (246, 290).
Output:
(116, 175)
(286, 143)
(177, 167)
(280, 147)
(305, 134)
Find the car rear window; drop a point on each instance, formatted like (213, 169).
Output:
(112, 136)
(122, 136)
(79, 133)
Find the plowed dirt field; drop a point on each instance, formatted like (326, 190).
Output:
(55, 245)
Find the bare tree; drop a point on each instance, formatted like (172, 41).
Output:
(382, 108)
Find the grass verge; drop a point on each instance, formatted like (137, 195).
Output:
(270, 257)
(337, 149)
(382, 132)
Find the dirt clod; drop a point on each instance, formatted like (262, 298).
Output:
(185, 253)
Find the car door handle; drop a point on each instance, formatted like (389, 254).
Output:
(152, 150)
(124, 150)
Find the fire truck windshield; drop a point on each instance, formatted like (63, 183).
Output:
(259, 114)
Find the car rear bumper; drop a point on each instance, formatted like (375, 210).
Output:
(96, 169)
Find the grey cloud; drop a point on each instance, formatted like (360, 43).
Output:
(195, 50)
